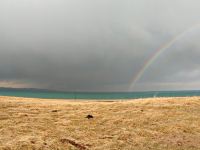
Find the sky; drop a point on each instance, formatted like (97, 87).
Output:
(99, 45)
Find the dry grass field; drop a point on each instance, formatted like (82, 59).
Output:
(161, 123)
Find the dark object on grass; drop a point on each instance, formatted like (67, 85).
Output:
(54, 110)
(89, 116)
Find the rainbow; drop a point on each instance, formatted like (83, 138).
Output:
(158, 52)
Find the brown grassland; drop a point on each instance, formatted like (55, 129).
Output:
(156, 123)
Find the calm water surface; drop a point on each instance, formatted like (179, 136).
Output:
(32, 93)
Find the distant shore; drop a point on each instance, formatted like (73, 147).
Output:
(152, 123)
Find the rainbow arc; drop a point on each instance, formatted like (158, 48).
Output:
(158, 52)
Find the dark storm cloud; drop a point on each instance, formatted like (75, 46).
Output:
(97, 45)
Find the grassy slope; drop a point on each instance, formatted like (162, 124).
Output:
(165, 123)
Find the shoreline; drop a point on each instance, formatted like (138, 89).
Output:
(94, 100)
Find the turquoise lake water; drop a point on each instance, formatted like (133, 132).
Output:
(32, 93)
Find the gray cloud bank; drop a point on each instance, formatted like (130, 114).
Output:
(98, 45)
